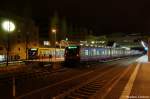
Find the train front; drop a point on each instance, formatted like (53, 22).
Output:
(72, 54)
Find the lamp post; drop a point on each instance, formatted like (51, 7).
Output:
(9, 27)
(54, 31)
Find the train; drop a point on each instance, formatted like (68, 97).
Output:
(45, 53)
(77, 53)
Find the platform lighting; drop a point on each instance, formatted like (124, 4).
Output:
(103, 42)
(92, 42)
(143, 44)
(81, 44)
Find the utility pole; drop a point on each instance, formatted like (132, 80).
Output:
(27, 41)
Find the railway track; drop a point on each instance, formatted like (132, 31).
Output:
(89, 89)
(59, 86)
(67, 83)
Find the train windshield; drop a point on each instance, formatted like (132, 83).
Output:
(72, 50)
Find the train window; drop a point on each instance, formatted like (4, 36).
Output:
(82, 52)
(97, 52)
(116, 52)
(108, 51)
(86, 52)
(105, 51)
(100, 51)
(32, 53)
(91, 52)
(94, 52)
(113, 52)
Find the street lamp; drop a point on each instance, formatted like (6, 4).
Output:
(54, 31)
(9, 27)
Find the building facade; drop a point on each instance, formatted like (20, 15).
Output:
(24, 36)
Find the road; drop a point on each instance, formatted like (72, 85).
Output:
(99, 80)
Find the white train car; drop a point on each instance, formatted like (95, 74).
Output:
(78, 54)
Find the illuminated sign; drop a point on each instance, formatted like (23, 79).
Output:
(72, 47)
(33, 49)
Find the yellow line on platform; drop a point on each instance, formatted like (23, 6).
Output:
(127, 89)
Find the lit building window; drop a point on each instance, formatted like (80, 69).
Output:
(46, 43)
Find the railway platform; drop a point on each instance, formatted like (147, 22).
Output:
(138, 86)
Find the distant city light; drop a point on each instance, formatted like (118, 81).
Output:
(53, 30)
(8, 26)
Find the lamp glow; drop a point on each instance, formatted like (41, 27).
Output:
(92, 42)
(8, 26)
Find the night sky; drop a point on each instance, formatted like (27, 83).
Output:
(102, 16)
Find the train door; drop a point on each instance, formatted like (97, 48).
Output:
(32, 53)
